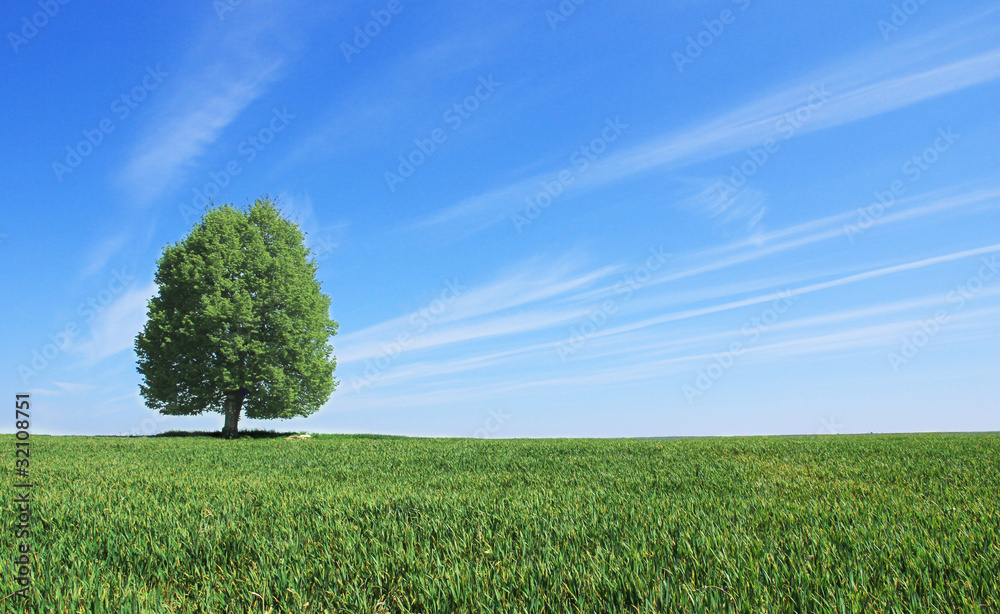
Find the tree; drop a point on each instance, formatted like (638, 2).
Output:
(240, 321)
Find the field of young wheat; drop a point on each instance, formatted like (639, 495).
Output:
(893, 523)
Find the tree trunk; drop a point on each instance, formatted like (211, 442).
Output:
(234, 404)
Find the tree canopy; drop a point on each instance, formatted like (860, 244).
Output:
(240, 321)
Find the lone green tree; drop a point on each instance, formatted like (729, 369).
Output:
(240, 322)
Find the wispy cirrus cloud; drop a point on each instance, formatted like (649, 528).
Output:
(628, 360)
(506, 306)
(670, 328)
(762, 245)
(115, 328)
(232, 64)
(859, 87)
(686, 314)
(192, 126)
(63, 388)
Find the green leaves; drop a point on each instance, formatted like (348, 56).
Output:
(239, 308)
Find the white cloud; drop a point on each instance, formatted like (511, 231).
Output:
(795, 292)
(231, 65)
(207, 105)
(71, 387)
(478, 313)
(855, 89)
(321, 238)
(636, 345)
(103, 252)
(114, 330)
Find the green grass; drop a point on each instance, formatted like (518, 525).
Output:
(895, 523)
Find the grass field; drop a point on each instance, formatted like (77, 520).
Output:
(894, 523)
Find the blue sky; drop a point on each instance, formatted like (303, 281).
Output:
(534, 218)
